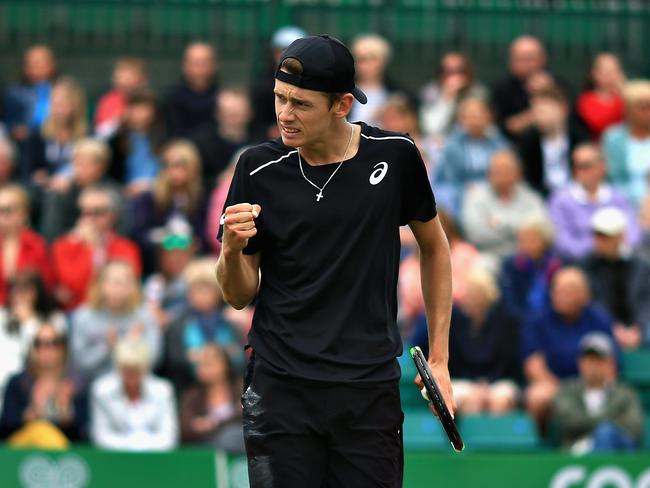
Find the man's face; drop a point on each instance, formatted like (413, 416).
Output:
(595, 371)
(526, 58)
(608, 246)
(304, 116)
(474, 117)
(233, 109)
(588, 167)
(569, 293)
(504, 173)
(548, 114)
(39, 64)
(86, 169)
(96, 211)
(199, 65)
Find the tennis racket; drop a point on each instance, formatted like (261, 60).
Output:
(436, 399)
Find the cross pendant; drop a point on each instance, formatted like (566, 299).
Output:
(319, 195)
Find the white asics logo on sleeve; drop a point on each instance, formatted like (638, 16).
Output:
(377, 175)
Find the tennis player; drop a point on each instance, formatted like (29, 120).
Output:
(318, 212)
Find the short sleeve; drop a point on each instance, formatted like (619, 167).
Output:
(241, 191)
(417, 200)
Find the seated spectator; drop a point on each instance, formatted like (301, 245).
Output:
(176, 192)
(166, 289)
(211, 409)
(600, 105)
(466, 157)
(129, 74)
(202, 322)
(483, 352)
(135, 144)
(21, 248)
(439, 99)
(627, 145)
(45, 391)
(218, 142)
(28, 307)
(92, 242)
(371, 55)
(7, 161)
(132, 410)
(190, 104)
(528, 74)
(114, 310)
(90, 158)
(596, 413)
(546, 147)
(493, 211)
(526, 275)
(573, 207)
(49, 150)
(619, 281)
(27, 103)
(550, 339)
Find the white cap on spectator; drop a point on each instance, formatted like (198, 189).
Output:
(597, 343)
(609, 221)
(130, 352)
(284, 36)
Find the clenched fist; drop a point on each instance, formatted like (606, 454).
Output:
(239, 226)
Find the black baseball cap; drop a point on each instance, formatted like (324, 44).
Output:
(327, 66)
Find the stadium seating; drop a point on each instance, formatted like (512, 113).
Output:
(422, 431)
(635, 370)
(513, 432)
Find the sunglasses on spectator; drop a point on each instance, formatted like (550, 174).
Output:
(95, 211)
(40, 343)
(176, 163)
(453, 70)
(8, 209)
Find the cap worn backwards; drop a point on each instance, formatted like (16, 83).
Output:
(327, 66)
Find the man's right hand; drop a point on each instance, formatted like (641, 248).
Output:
(239, 226)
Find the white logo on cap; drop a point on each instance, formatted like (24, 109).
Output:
(378, 174)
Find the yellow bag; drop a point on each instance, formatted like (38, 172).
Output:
(40, 434)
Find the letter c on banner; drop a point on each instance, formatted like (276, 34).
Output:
(568, 477)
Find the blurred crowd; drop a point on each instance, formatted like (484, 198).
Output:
(113, 330)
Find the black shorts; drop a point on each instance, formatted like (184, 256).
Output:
(305, 434)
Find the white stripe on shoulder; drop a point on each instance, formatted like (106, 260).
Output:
(388, 137)
(272, 162)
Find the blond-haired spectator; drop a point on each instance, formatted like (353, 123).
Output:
(627, 145)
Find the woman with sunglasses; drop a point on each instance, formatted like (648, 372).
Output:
(46, 390)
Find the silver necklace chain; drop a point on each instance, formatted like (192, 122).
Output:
(320, 189)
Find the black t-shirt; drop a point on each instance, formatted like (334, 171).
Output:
(327, 304)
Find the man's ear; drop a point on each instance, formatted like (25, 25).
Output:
(343, 105)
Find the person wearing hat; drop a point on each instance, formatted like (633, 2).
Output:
(619, 279)
(318, 212)
(132, 410)
(594, 412)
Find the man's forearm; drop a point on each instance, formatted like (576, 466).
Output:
(237, 278)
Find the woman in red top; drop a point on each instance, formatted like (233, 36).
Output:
(601, 105)
(20, 248)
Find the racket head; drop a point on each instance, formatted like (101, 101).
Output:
(437, 400)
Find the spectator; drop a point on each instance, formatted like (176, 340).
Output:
(211, 407)
(49, 150)
(440, 98)
(493, 211)
(190, 103)
(528, 74)
(601, 104)
(547, 145)
(202, 322)
(92, 242)
(371, 54)
(550, 340)
(132, 410)
(27, 103)
(176, 192)
(7, 161)
(618, 280)
(166, 289)
(526, 275)
(573, 207)
(114, 310)
(466, 157)
(21, 248)
(627, 145)
(217, 143)
(90, 159)
(129, 75)
(46, 391)
(264, 125)
(595, 413)
(483, 356)
(28, 307)
(135, 145)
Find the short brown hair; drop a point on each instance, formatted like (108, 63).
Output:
(294, 67)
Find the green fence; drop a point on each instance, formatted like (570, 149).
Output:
(87, 468)
(89, 33)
